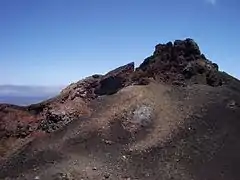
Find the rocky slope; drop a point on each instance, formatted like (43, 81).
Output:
(176, 116)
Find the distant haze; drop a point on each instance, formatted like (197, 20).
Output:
(25, 95)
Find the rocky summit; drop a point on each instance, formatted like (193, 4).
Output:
(176, 116)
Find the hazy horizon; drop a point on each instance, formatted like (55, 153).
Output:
(58, 42)
(25, 95)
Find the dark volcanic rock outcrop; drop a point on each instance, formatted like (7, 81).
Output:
(115, 80)
(98, 85)
(179, 63)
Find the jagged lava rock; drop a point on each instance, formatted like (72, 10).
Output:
(93, 86)
(73, 101)
(180, 61)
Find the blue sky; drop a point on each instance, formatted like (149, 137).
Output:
(56, 42)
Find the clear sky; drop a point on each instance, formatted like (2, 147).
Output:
(56, 42)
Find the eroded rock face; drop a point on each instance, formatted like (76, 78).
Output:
(16, 122)
(74, 99)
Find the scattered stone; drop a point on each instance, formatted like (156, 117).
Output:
(147, 175)
(108, 142)
(130, 150)
(232, 104)
(124, 157)
(35, 169)
(107, 175)
(62, 176)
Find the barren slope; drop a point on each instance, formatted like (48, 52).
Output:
(143, 132)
